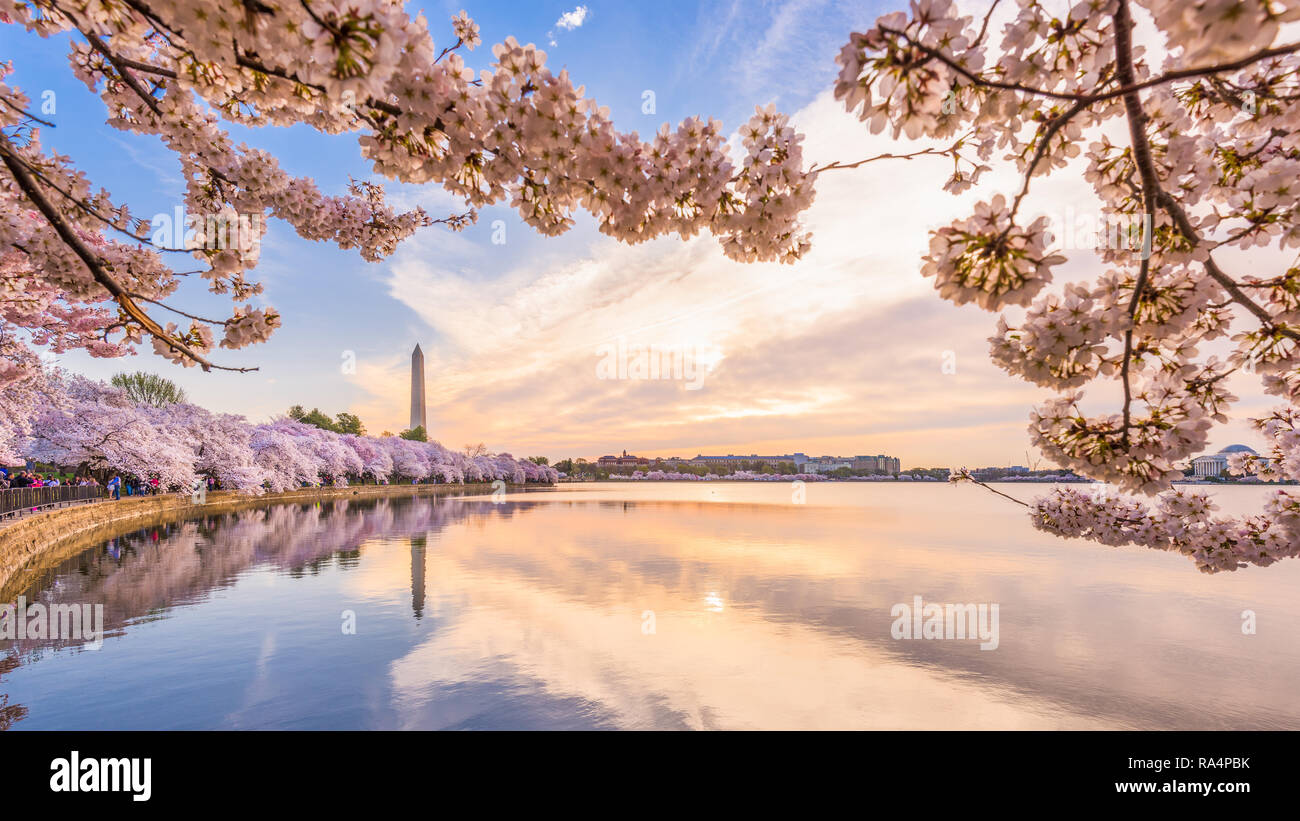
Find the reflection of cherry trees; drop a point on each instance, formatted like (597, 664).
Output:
(9, 713)
(82, 422)
(153, 570)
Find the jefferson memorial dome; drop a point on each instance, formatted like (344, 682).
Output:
(1237, 449)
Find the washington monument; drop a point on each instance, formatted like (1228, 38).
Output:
(418, 419)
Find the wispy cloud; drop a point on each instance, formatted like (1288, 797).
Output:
(569, 21)
(782, 52)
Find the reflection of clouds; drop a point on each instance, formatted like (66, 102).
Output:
(261, 689)
(1087, 631)
(711, 669)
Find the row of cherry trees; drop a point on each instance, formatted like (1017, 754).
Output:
(81, 423)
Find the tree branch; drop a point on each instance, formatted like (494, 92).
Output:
(32, 190)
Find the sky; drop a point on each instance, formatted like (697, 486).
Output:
(849, 351)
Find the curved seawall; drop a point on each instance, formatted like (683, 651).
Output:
(52, 534)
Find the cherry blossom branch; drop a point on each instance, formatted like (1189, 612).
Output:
(964, 475)
(247, 61)
(977, 79)
(1189, 232)
(32, 190)
(1214, 149)
(25, 112)
(1203, 71)
(1044, 144)
(127, 76)
(85, 207)
(1126, 88)
(984, 28)
(1136, 117)
(841, 166)
(456, 221)
(142, 298)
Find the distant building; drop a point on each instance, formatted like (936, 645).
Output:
(733, 459)
(1216, 464)
(879, 463)
(620, 461)
(1209, 465)
(805, 463)
(827, 464)
(888, 464)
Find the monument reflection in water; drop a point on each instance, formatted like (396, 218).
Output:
(677, 606)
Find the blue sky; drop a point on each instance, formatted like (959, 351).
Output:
(841, 353)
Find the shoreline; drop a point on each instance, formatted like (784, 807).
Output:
(1197, 482)
(28, 544)
(54, 535)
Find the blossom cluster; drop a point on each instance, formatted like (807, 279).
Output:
(84, 424)
(1181, 521)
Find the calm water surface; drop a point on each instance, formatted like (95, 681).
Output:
(656, 605)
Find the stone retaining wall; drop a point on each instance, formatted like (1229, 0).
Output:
(57, 534)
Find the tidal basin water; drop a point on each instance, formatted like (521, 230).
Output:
(648, 606)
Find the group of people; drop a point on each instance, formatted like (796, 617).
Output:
(119, 485)
(25, 478)
(115, 485)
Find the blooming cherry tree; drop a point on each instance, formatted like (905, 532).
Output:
(1208, 169)
(81, 422)
(20, 394)
(221, 444)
